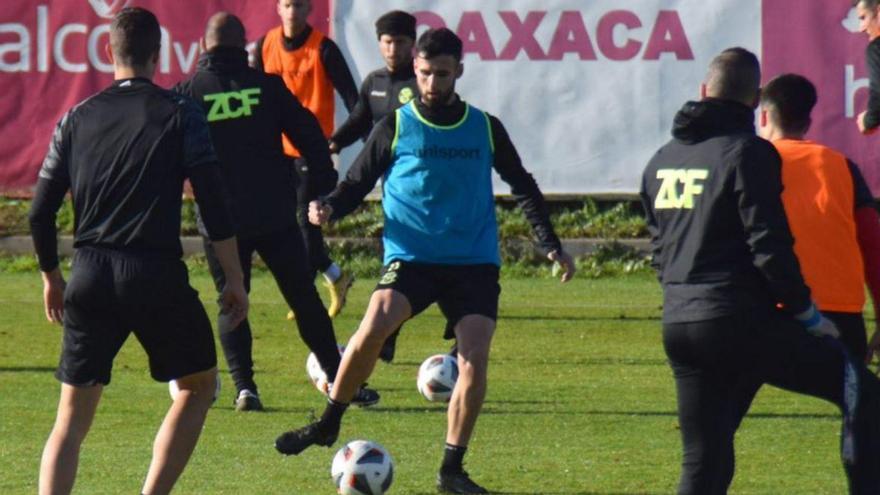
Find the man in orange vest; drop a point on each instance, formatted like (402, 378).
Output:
(312, 67)
(830, 211)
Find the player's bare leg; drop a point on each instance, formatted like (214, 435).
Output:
(180, 430)
(76, 410)
(388, 309)
(474, 336)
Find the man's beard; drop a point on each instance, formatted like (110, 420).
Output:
(442, 99)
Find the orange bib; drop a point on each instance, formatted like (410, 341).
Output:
(820, 205)
(304, 75)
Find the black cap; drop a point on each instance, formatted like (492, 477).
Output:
(396, 23)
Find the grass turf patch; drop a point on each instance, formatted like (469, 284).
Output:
(581, 401)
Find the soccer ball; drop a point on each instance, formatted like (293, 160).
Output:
(362, 467)
(437, 377)
(173, 388)
(316, 373)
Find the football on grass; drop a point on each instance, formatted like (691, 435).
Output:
(362, 467)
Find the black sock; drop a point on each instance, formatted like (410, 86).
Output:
(332, 417)
(453, 455)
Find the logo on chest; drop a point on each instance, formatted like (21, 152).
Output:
(405, 96)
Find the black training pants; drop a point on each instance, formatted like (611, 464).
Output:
(284, 255)
(720, 364)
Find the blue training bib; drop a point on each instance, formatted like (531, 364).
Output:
(437, 193)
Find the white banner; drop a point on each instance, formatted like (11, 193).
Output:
(587, 90)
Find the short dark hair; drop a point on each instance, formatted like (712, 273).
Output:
(441, 41)
(871, 4)
(790, 98)
(735, 74)
(225, 30)
(396, 23)
(135, 36)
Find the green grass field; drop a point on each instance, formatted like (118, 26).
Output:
(581, 401)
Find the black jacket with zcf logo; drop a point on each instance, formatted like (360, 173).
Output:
(247, 112)
(720, 238)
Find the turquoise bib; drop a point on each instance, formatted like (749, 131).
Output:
(437, 194)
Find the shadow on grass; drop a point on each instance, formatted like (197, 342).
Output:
(556, 493)
(578, 318)
(490, 410)
(566, 362)
(27, 369)
(599, 361)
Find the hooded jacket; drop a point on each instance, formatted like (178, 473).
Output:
(247, 112)
(720, 239)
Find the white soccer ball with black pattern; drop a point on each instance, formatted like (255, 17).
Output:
(362, 467)
(316, 373)
(437, 377)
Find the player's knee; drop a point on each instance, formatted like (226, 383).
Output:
(378, 326)
(473, 364)
(373, 334)
(198, 387)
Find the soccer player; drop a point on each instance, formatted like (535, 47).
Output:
(312, 66)
(382, 92)
(440, 238)
(829, 208)
(723, 252)
(868, 12)
(248, 110)
(387, 89)
(124, 154)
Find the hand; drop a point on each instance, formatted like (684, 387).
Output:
(860, 121)
(824, 327)
(53, 295)
(565, 261)
(873, 347)
(816, 323)
(319, 212)
(233, 305)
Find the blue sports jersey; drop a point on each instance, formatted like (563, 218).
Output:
(437, 193)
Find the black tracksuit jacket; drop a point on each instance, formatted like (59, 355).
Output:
(720, 238)
(260, 178)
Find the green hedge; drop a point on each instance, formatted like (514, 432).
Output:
(573, 219)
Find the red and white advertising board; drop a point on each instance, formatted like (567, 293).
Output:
(587, 90)
(52, 56)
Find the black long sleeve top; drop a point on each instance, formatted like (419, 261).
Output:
(124, 154)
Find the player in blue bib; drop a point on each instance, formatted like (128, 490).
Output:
(436, 155)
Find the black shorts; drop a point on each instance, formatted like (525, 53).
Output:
(459, 290)
(111, 294)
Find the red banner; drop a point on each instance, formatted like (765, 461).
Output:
(52, 55)
(822, 42)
